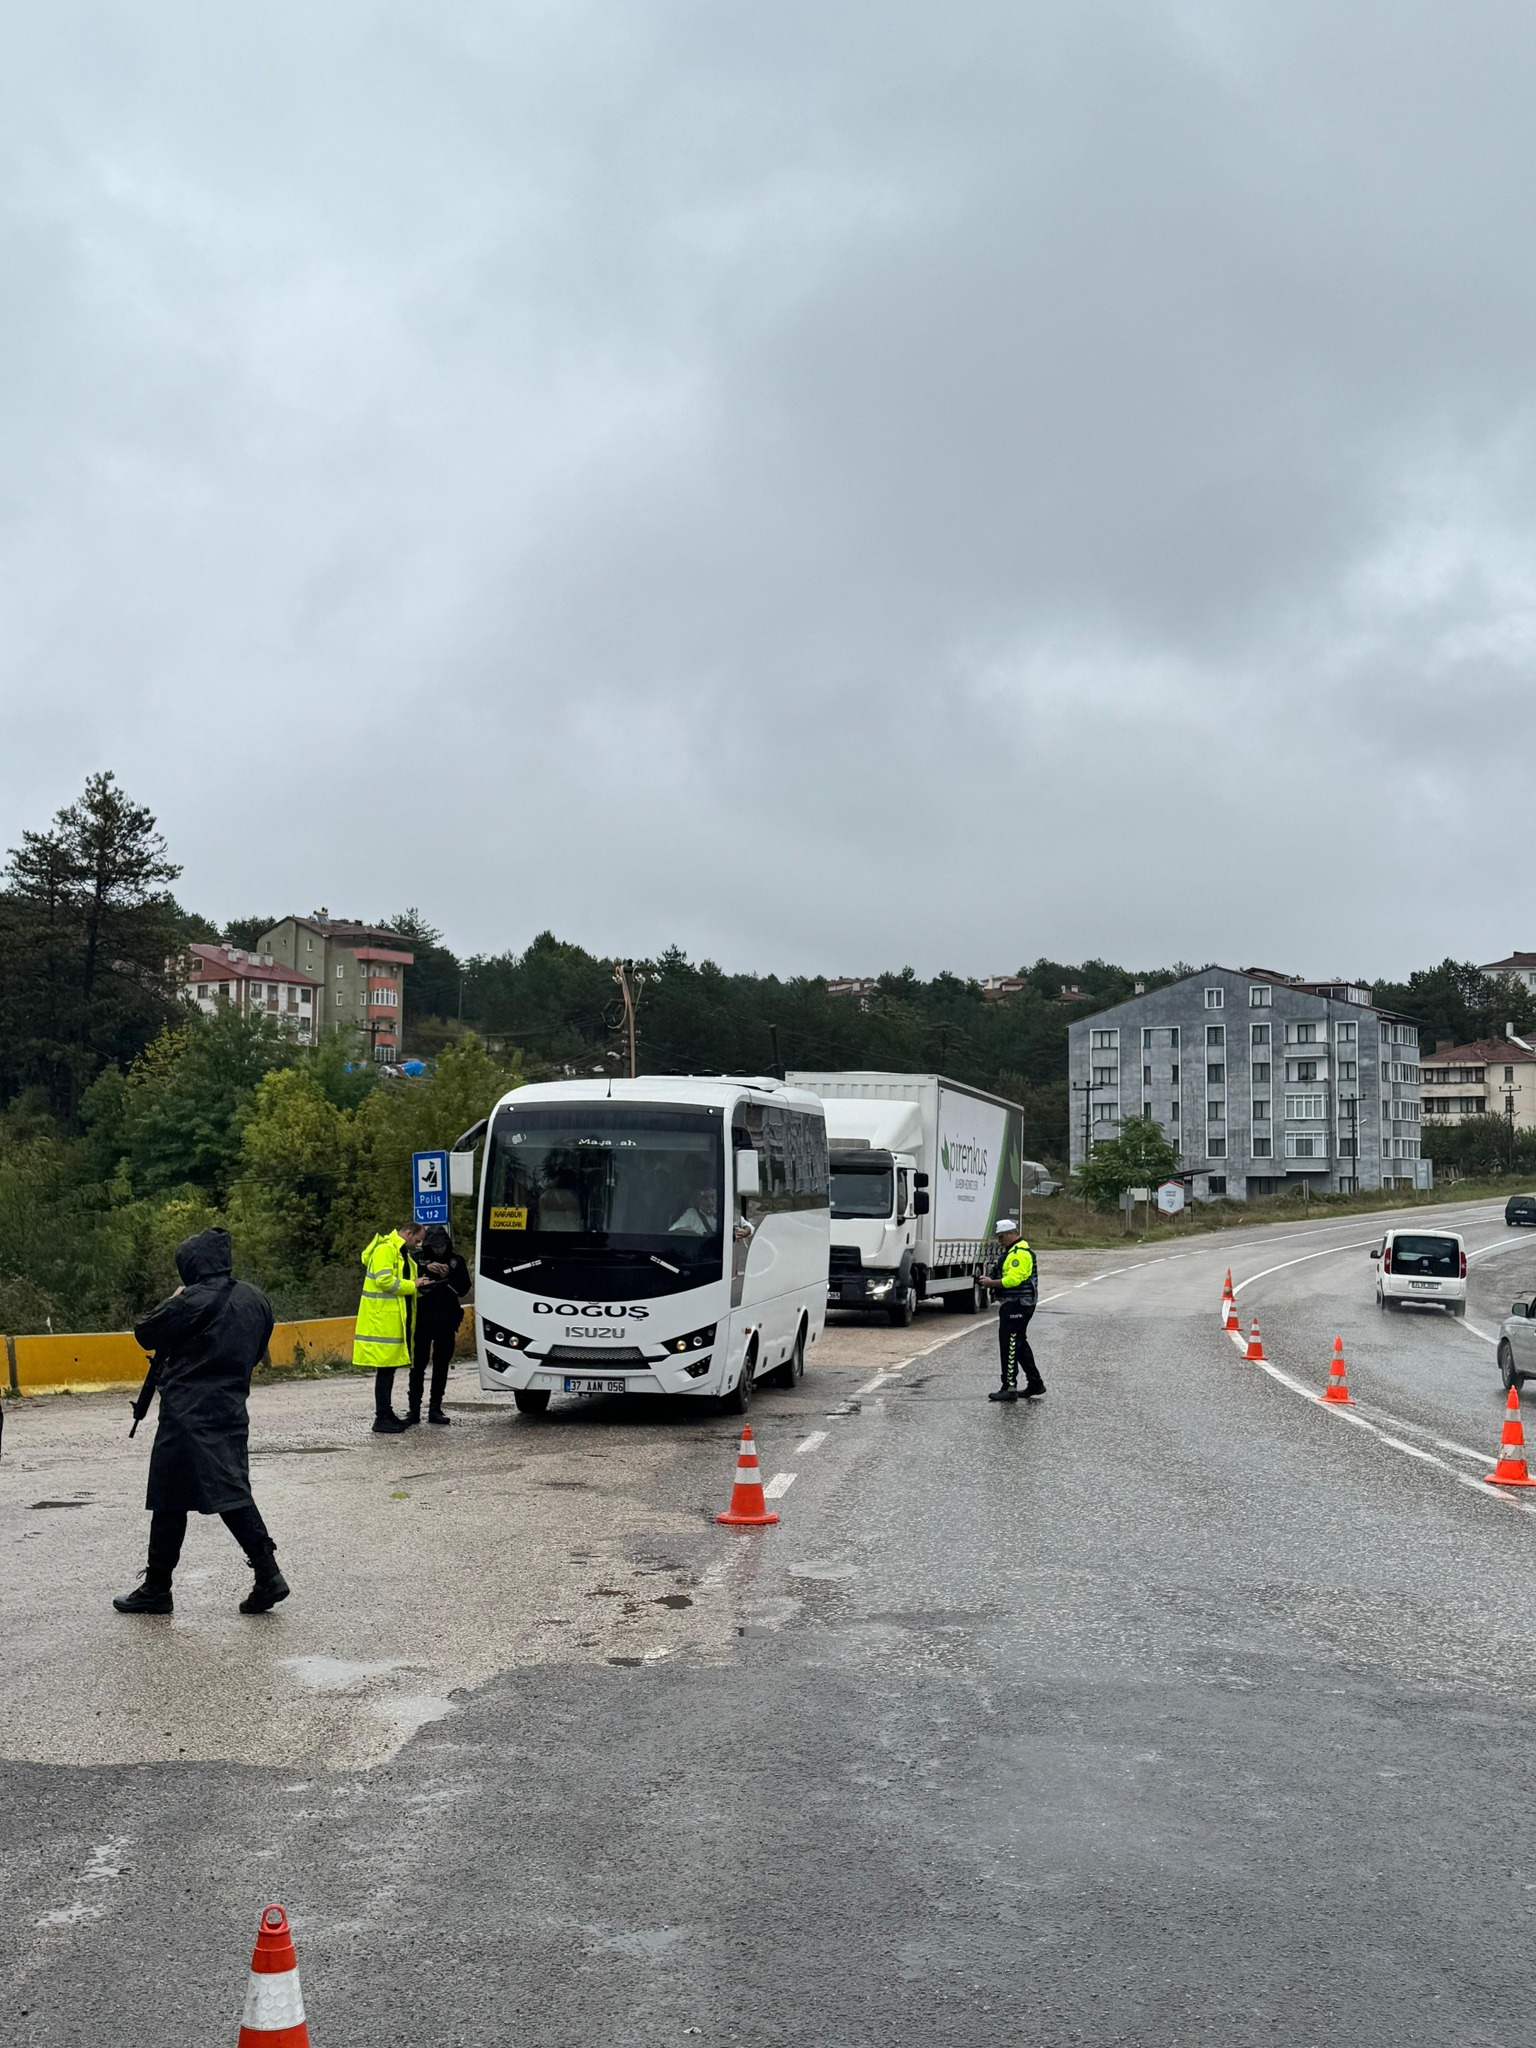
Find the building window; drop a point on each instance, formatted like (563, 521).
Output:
(1261, 1109)
(1146, 1077)
(1258, 1034)
(1348, 1070)
(1263, 1148)
(340, 970)
(1146, 1110)
(309, 945)
(1173, 1113)
(1216, 1146)
(1261, 1070)
(1215, 1112)
(1302, 1070)
(1104, 1077)
(1259, 996)
(1304, 1108)
(1216, 1034)
(1215, 999)
(1216, 1073)
(1303, 1034)
(1105, 1041)
(1216, 1184)
(340, 999)
(1305, 1145)
(1175, 1073)
(1146, 1039)
(1345, 1034)
(1509, 1075)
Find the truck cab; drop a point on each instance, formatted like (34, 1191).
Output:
(878, 1194)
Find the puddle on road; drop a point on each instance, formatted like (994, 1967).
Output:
(57, 1504)
(335, 1674)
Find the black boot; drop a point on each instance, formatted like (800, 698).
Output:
(389, 1424)
(437, 1415)
(151, 1596)
(1004, 1394)
(413, 1415)
(268, 1587)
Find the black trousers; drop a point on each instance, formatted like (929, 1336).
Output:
(1013, 1345)
(168, 1530)
(434, 1348)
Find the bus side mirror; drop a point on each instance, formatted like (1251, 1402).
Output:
(920, 1202)
(461, 1173)
(749, 1176)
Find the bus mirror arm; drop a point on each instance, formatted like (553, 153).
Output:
(743, 1231)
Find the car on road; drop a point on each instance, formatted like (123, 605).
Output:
(1520, 1209)
(1421, 1265)
(1517, 1344)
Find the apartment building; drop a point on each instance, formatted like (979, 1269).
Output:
(1262, 1081)
(1489, 1077)
(1519, 967)
(255, 985)
(359, 970)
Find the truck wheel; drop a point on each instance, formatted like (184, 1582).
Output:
(903, 1306)
(531, 1400)
(739, 1399)
(792, 1371)
(967, 1302)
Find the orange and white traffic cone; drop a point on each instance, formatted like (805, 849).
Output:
(1510, 1470)
(1226, 1288)
(1255, 1349)
(748, 1508)
(274, 2005)
(1231, 1325)
(1337, 1393)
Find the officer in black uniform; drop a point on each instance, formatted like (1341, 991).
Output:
(1015, 1279)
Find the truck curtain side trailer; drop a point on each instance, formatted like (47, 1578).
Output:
(921, 1169)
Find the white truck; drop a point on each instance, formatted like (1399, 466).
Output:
(921, 1168)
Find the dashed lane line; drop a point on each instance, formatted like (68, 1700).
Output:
(813, 1442)
(779, 1485)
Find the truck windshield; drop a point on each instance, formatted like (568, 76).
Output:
(597, 1197)
(860, 1190)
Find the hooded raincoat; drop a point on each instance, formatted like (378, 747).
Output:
(206, 1340)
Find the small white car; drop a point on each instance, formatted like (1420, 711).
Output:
(1421, 1265)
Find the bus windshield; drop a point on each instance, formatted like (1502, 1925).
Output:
(600, 1197)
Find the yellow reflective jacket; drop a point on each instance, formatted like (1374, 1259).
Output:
(1017, 1272)
(386, 1313)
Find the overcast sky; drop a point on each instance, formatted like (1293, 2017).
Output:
(827, 485)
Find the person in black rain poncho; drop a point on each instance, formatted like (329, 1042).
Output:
(205, 1341)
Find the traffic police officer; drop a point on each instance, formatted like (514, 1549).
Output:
(386, 1317)
(1014, 1277)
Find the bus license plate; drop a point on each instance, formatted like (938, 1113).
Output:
(595, 1386)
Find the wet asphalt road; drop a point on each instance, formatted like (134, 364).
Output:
(1173, 1709)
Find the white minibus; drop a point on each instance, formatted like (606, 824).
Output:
(662, 1236)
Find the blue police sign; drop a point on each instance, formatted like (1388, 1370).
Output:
(429, 1184)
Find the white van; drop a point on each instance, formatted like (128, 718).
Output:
(1422, 1265)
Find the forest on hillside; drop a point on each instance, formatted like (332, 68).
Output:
(126, 1120)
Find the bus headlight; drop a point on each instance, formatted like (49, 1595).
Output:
(507, 1340)
(695, 1340)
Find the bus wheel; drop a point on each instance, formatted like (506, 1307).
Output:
(531, 1400)
(739, 1399)
(792, 1371)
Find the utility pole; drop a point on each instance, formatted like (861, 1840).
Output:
(1085, 1089)
(631, 980)
(1509, 1117)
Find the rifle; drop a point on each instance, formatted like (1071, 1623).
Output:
(146, 1394)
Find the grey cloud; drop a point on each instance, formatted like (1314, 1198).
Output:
(832, 486)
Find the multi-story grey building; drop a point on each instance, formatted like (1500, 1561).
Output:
(1261, 1081)
(360, 972)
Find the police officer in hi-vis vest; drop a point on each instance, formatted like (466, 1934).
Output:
(1014, 1278)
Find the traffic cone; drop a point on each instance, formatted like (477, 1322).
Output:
(748, 1509)
(1226, 1288)
(1337, 1390)
(274, 2005)
(1232, 1325)
(1510, 1470)
(1255, 1349)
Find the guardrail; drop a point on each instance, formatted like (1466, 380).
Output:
(90, 1360)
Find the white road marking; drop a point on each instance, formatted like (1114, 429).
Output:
(813, 1442)
(779, 1485)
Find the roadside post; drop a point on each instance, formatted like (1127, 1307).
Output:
(429, 1187)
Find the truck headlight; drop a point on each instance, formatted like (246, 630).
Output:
(881, 1286)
